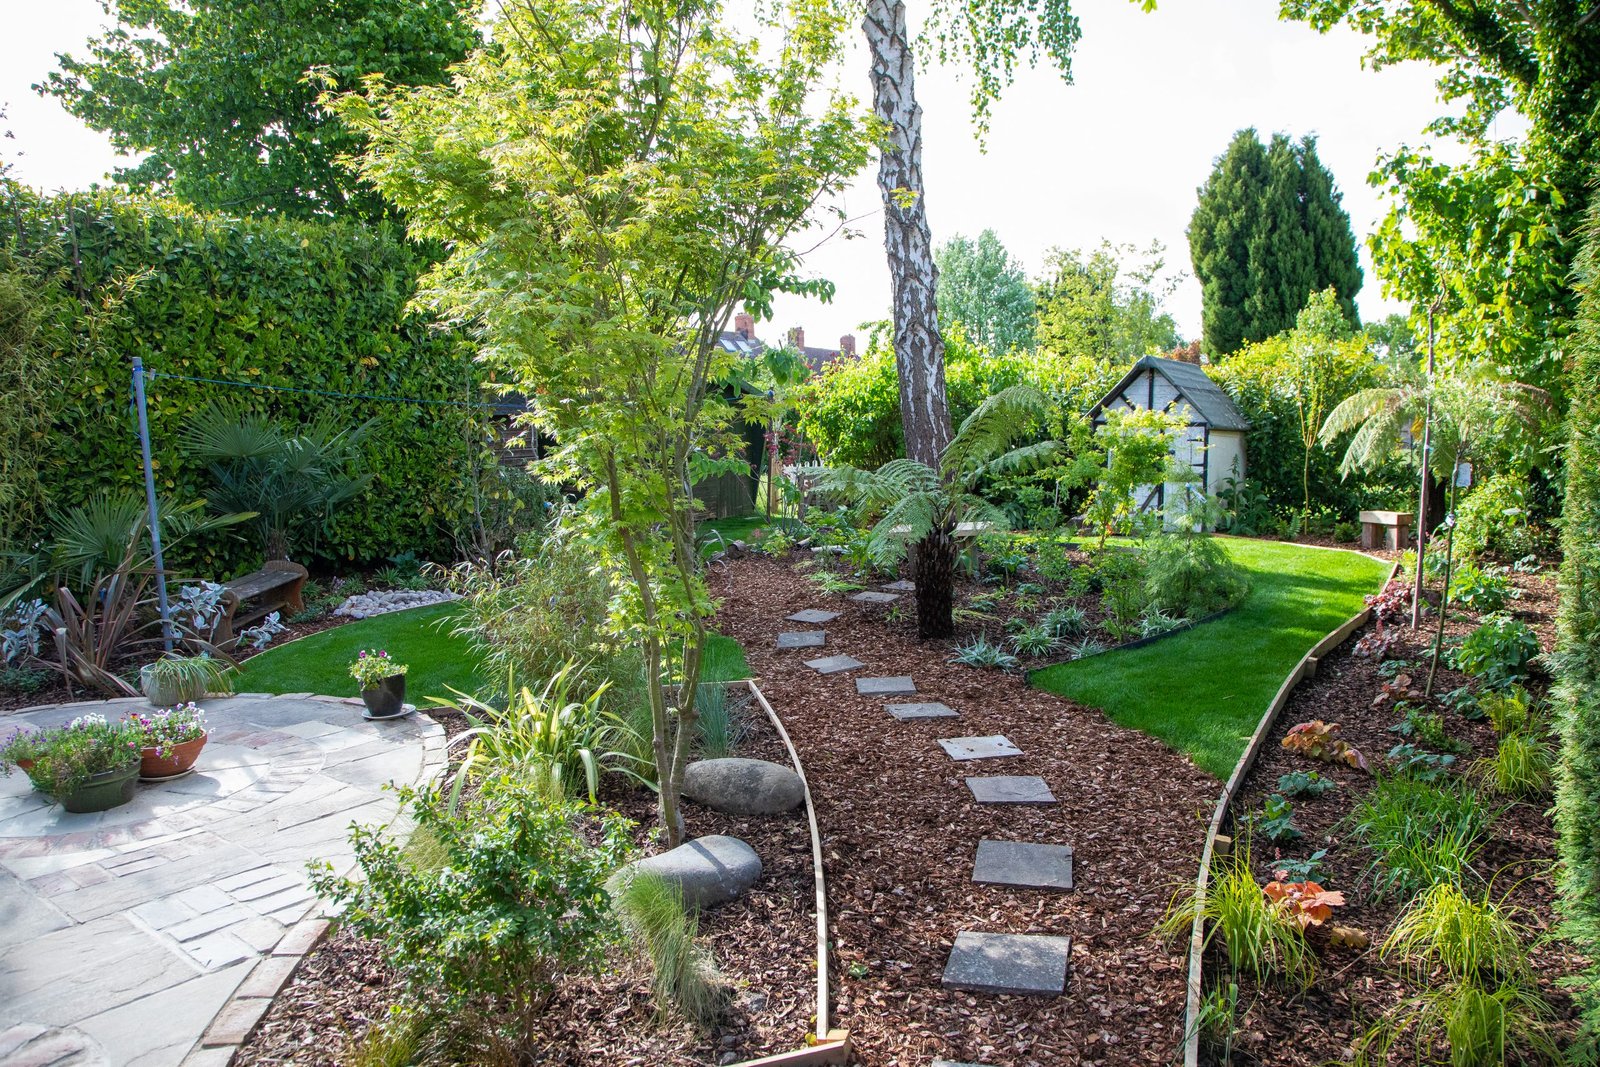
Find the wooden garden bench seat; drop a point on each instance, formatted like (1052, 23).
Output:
(277, 585)
(1386, 529)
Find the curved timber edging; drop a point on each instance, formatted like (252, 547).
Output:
(1306, 668)
(828, 1046)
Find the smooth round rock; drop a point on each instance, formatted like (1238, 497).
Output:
(709, 869)
(743, 786)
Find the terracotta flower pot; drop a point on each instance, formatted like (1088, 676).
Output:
(387, 699)
(103, 791)
(179, 760)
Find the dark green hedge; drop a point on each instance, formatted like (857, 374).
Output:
(295, 304)
(1578, 651)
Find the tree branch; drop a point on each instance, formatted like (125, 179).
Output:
(1490, 39)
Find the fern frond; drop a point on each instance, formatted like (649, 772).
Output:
(998, 421)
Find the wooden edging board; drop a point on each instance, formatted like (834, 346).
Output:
(1197, 934)
(832, 1046)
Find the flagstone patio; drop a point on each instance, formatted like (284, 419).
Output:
(156, 933)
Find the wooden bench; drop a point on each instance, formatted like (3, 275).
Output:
(277, 585)
(1386, 529)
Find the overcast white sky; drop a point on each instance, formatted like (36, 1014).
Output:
(1116, 155)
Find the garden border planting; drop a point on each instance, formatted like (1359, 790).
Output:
(1302, 670)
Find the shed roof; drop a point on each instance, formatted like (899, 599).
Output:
(1203, 395)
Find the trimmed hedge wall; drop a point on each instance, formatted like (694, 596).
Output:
(1578, 645)
(303, 305)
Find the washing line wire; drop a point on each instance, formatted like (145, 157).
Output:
(503, 406)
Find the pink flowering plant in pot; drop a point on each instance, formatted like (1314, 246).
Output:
(88, 765)
(170, 740)
(382, 681)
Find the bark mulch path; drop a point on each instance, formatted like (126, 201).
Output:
(900, 830)
(1355, 987)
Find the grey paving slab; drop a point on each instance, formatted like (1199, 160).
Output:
(930, 710)
(1011, 789)
(872, 596)
(1023, 964)
(1023, 864)
(899, 685)
(834, 664)
(136, 924)
(991, 747)
(902, 586)
(813, 615)
(803, 639)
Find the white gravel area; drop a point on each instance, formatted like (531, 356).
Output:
(381, 602)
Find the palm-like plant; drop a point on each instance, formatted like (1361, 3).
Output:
(288, 478)
(1467, 407)
(916, 504)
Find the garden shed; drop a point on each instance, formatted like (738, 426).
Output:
(1212, 442)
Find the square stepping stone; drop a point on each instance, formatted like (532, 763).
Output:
(813, 615)
(902, 586)
(964, 748)
(899, 685)
(834, 664)
(934, 710)
(1024, 964)
(1024, 865)
(872, 596)
(1011, 789)
(803, 639)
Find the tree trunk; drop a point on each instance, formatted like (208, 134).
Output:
(936, 582)
(918, 347)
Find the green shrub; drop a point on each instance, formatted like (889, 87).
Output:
(1497, 652)
(518, 900)
(1481, 589)
(1508, 710)
(684, 979)
(1346, 533)
(1189, 575)
(290, 305)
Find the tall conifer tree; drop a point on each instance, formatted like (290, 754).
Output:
(1267, 233)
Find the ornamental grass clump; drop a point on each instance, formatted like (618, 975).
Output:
(685, 980)
(1422, 833)
(61, 759)
(1260, 939)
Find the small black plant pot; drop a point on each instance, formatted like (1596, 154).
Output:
(386, 700)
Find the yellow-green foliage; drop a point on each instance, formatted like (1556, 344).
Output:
(1258, 939)
(1468, 937)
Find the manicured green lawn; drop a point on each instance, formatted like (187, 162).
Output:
(1204, 690)
(421, 638)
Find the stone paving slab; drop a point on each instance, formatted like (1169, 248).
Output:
(1022, 964)
(135, 926)
(812, 615)
(1011, 789)
(932, 710)
(872, 596)
(902, 586)
(834, 664)
(991, 747)
(899, 685)
(1023, 864)
(803, 639)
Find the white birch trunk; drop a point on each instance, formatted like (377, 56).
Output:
(918, 346)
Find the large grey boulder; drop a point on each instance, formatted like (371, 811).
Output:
(743, 786)
(709, 869)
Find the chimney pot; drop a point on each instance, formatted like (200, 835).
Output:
(744, 324)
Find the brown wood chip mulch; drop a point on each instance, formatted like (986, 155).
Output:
(900, 830)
